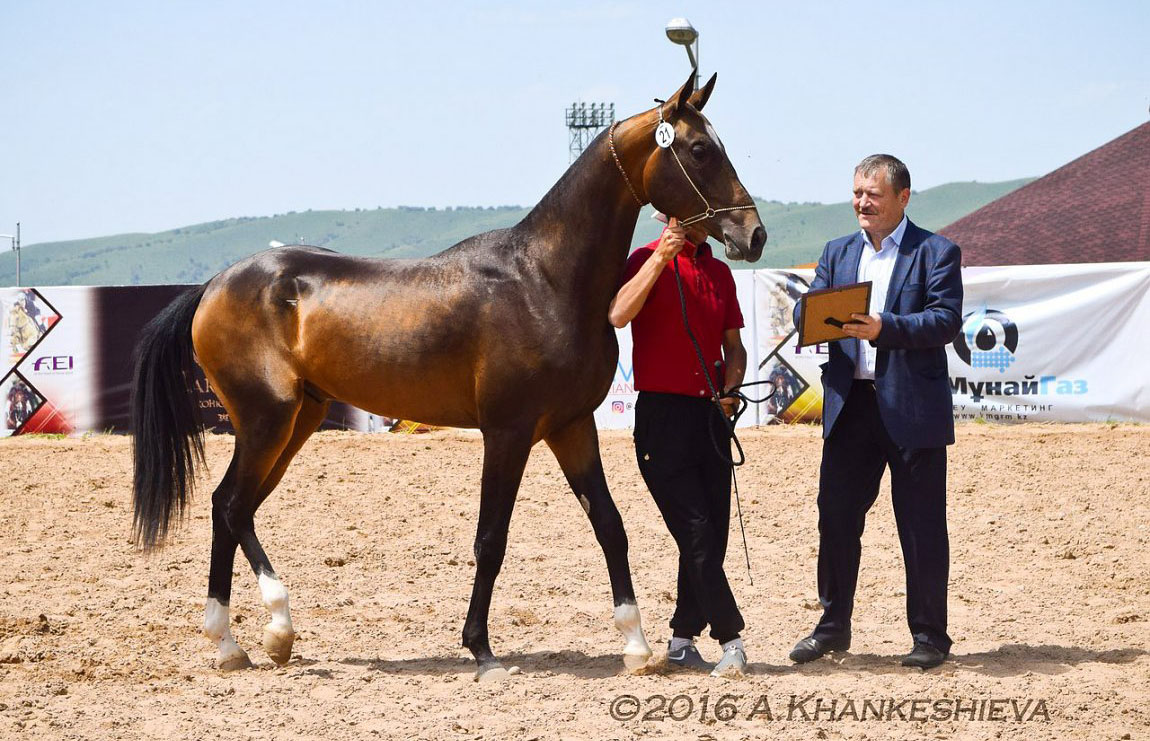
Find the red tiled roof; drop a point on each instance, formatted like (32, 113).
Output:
(1094, 209)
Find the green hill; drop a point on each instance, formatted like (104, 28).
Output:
(798, 231)
(193, 254)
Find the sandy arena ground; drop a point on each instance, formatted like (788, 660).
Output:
(1050, 600)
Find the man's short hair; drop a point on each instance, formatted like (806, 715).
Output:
(896, 173)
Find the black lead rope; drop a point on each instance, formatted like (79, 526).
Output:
(744, 402)
(735, 392)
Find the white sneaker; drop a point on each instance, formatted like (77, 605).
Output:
(733, 663)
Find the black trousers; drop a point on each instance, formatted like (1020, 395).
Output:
(691, 485)
(855, 456)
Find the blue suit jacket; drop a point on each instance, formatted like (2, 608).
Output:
(923, 314)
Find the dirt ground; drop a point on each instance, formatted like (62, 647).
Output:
(1049, 600)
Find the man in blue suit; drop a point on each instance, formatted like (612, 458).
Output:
(887, 403)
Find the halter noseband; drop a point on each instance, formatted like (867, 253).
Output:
(707, 214)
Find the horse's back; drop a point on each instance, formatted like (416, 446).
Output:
(439, 339)
(396, 337)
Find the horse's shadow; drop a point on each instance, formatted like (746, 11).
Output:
(572, 663)
(1008, 660)
(1005, 661)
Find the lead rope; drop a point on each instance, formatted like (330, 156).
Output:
(744, 401)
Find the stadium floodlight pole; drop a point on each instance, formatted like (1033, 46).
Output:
(680, 31)
(15, 248)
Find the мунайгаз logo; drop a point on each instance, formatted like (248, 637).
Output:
(988, 340)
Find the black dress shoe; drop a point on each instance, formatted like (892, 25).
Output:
(924, 656)
(810, 648)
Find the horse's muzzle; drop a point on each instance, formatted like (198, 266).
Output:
(749, 250)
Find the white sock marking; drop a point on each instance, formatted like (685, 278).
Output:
(629, 623)
(275, 598)
(217, 626)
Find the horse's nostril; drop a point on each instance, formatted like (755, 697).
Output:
(758, 239)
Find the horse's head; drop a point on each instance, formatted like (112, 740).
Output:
(693, 178)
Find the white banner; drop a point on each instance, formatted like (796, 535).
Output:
(1039, 343)
(1046, 343)
(47, 378)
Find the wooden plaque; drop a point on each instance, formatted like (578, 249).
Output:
(823, 312)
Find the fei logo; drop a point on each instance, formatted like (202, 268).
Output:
(617, 407)
(988, 340)
(54, 364)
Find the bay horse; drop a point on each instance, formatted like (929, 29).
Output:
(506, 332)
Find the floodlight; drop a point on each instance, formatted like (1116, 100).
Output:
(681, 31)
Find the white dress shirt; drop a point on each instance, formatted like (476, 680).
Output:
(876, 266)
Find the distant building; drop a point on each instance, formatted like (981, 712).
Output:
(1094, 209)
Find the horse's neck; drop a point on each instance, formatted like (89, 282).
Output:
(581, 230)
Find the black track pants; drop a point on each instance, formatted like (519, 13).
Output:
(691, 485)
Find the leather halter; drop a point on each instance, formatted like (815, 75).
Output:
(708, 213)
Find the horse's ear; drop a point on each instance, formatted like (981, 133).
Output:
(681, 97)
(700, 97)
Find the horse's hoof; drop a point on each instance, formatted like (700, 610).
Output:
(633, 661)
(236, 662)
(278, 642)
(494, 673)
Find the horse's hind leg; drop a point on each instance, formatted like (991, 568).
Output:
(217, 620)
(505, 455)
(269, 431)
(260, 438)
(576, 447)
(278, 634)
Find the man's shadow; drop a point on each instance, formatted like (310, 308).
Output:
(1009, 660)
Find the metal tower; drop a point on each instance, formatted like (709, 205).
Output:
(584, 122)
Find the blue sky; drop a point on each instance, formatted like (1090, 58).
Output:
(123, 116)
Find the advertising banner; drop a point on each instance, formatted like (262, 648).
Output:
(66, 355)
(1039, 343)
(794, 371)
(1042, 343)
(1045, 343)
(47, 368)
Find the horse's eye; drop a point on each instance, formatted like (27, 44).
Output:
(698, 150)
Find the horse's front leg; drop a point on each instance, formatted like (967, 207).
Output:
(576, 447)
(505, 455)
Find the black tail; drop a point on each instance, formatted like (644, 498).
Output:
(168, 434)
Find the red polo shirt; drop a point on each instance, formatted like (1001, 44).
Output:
(663, 357)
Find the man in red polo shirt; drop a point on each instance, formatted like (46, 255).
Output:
(677, 424)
